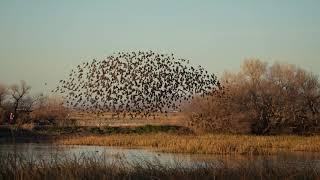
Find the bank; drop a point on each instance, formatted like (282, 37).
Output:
(173, 139)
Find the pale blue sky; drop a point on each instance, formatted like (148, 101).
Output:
(40, 41)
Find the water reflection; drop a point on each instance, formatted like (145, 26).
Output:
(112, 154)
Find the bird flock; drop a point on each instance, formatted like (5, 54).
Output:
(135, 83)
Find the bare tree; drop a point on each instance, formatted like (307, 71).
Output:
(18, 92)
(3, 93)
(254, 70)
(28, 103)
(50, 109)
(264, 99)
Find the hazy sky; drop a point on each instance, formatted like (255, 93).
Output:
(40, 41)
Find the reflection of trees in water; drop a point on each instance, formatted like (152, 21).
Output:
(39, 153)
(135, 83)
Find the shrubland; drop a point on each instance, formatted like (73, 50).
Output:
(260, 99)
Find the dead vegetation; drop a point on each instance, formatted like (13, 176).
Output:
(14, 166)
(261, 99)
(109, 119)
(203, 144)
(50, 109)
(29, 109)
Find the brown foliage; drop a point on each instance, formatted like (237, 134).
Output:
(261, 99)
(3, 94)
(49, 109)
(26, 108)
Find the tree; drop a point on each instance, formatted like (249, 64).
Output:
(3, 94)
(264, 99)
(50, 109)
(18, 93)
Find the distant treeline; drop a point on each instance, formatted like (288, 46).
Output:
(17, 106)
(260, 99)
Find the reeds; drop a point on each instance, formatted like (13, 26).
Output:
(19, 167)
(204, 144)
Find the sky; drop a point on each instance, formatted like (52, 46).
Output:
(42, 40)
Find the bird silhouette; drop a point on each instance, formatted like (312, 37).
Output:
(135, 83)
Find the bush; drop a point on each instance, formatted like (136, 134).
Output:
(261, 99)
(50, 111)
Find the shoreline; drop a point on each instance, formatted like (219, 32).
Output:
(20, 167)
(168, 139)
(219, 144)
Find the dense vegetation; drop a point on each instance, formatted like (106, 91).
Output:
(261, 99)
(21, 167)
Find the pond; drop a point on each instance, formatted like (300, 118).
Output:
(111, 154)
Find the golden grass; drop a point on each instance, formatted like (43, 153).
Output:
(204, 144)
(91, 119)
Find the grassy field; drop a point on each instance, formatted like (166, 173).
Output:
(204, 144)
(176, 139)
(106, 119)
(20, 167)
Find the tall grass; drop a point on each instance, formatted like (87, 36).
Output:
(107, 119)
(205, 144)
(20, 167)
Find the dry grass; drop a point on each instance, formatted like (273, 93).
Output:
(106, 119)
(14, 166)
(204, 144)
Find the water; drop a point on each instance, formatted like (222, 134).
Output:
(112, 154)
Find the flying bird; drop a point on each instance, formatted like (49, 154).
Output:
(135, 83)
